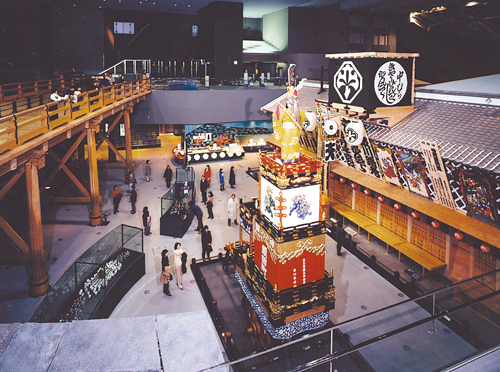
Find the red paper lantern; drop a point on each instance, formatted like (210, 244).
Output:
(415, 214)
(435, 224)
(342, 180)
(381, 198)
(485, 248)
(367, 192)
(458, 235)
(354, 185)
(397, 206)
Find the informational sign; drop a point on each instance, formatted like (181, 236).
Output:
(437, 173)
(371, 82)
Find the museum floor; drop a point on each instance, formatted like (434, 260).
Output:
(359, 290)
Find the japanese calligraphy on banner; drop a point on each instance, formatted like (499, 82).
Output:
(387, 165)
(361, 157)
(437, 173)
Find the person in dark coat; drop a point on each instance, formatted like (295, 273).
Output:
(168, 175)
(184, 258)
(206, 243)
(194, 209)
(340, 235)
(203, 189)
(146, 220)
(232, 177)
(210, 205)
(165, 272)
(133, 199)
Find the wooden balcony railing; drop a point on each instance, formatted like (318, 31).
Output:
(20, 127)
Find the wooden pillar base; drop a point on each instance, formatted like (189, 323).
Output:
(39, 287)
(96, 220)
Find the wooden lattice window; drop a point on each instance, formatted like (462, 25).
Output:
(387, 216)
(437, 244)
(342, 192)
(360, 203)
(419, 234)
(483, 262)
(371, 208)
(400, 225)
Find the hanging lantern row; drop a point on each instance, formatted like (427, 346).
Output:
(354, 185)
(397, 206)
(367, 192)
(381, 198)
(458, 235)
(342, 180)
(415, 214)
(485, 248)
(435, 224)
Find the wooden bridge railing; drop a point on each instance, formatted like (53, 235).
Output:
(18, 128)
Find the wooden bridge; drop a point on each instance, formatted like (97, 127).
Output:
(28, 136)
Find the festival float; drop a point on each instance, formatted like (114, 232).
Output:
(282, 268)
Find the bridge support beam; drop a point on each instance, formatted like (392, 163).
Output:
(95, 208)
(38, 277)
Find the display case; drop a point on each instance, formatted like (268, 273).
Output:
(95, 283)
(175, 220)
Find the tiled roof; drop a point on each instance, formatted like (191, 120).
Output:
(466, 133)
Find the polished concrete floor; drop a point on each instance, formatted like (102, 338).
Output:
(359, 290)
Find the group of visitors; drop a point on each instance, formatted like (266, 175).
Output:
(180, 259)
(206, 235)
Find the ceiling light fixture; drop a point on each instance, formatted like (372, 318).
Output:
(472, 3)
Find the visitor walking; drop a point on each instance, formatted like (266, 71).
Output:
(232, 210)
(168, 175)
(131, 181)
(206, 243)
(146, 221)
(147, 170)
(208, 174)
(133, 199)
(221, 179)
(178, 263)
(203, 189)
(166, 273)
(232, 177)
(210, 205)
(340, 235)
(117, 196)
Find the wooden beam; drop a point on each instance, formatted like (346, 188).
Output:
(23, 246)
(95, 208)
(112, 126)
(113, 148)
(73, 178)
(38, 277)
(63, 160)
(19, 172)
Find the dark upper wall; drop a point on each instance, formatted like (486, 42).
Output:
(19, 45)
(221, 38)
(201, 107)
(157, 36)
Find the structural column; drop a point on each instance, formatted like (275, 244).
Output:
(128, 139)
(38, 278)
(95, 208)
